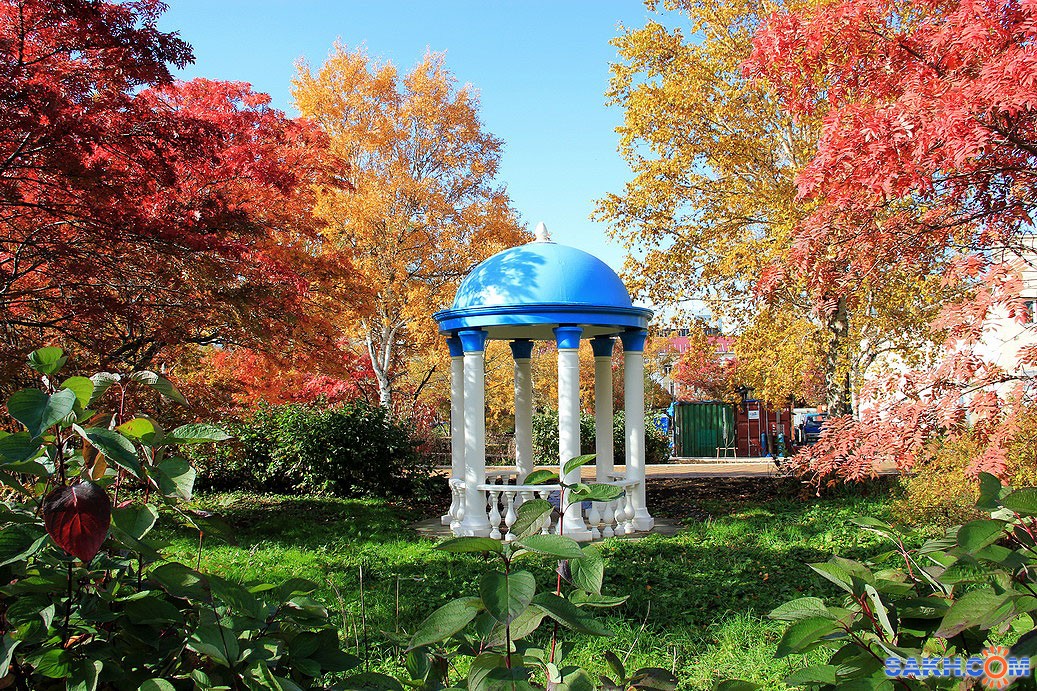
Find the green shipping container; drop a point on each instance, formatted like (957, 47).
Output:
(700, 429)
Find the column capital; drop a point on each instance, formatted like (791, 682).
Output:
(472, 340)
(522, 348)
(602, 346)
(634, 340)
(454, 344)
(568, 337)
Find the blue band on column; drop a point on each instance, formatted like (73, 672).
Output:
(634, 340)
(454, 344)
(602, 346)
(472, 340)
(568, 337)
(522, 348)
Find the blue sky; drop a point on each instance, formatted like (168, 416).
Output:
(541, 69)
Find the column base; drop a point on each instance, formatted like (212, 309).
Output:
(643, 522)
(446, 519)
(579, 535)
(476, 530)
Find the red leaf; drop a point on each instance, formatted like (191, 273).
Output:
(77, 518)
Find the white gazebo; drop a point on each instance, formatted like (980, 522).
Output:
(544, 291)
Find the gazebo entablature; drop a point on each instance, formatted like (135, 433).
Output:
(536, 292)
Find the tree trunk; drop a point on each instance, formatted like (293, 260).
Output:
(837, 385)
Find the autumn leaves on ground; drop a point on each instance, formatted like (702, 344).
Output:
(837, 196)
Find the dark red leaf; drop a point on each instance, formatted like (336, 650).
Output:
(77, 518)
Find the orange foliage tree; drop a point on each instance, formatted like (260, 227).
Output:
(422, 208)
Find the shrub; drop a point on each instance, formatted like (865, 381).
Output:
(941, 489)
(87, 599)
(351, 450)
(545, 438)
(950, 599)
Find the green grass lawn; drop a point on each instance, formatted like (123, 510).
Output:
(697, 603)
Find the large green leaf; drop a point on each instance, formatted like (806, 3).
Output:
(216, 642)
(975, 535)
(38, 411)
(977, 608)
(176, 477)
(553, 545)
(446, 621)
(490, 672)
(653, 678)
(569, 615)
(82, 387)
(102, 382)
(19, 447)
(1022, 501)
(541, 477)
(47, 360)
(596, 492)
(990, 492)
(804, 635)
(814, 675)
(529, 515)
(589, 570)
(506, 596)
(19, 542)
(577, 462)
(463, 545)
(135, 520)
(587, 599)
(523, 625)
(801, 608)
(141, 428)
(196, 433)
(116, 448)
(160, 384)
(157, 685)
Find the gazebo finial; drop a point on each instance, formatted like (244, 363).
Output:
(541, 234)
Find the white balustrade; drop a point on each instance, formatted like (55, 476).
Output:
(503, 499)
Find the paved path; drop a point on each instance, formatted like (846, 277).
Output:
(753, 467)
(692, 468)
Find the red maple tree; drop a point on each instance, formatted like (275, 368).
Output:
(928, 151)
(138, 213)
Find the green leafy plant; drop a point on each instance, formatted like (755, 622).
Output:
(953, 597)
(494, 629)
(87, 600)
(355, 449)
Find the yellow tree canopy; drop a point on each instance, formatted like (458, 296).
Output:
(422, 206)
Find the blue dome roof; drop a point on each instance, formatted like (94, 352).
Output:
(541, 273)
(527, 291)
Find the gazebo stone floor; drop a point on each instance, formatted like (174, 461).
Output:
(433, 528)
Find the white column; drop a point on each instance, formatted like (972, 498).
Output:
(634, 404)
(456, 421)
(568, 338)
(523, 350)
(475, 521)
(603, 429)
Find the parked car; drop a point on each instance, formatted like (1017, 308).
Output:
(810, 429)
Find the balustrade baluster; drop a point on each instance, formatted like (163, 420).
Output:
(593, 519)
(509, 516)
(545, 525)
(494, 514)
(610, 518)
(628, 514)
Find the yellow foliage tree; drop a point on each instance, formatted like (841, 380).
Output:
(711, 211)
(422, 205)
